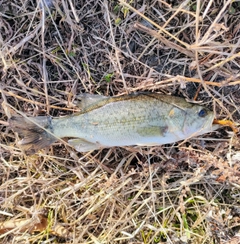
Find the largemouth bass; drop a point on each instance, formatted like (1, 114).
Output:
(144, 119)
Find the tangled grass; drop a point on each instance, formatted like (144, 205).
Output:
(188, 192)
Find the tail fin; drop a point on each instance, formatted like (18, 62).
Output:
(34, 132)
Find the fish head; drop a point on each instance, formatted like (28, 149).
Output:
(188, 120)
(198, 121)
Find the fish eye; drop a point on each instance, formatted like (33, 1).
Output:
(202, 113)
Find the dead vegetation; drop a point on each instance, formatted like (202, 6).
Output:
(183, 193)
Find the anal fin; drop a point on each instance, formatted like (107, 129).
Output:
(82, 145)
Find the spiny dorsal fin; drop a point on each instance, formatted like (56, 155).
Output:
(86, 100)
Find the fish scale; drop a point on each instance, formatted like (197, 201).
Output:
(144, 119)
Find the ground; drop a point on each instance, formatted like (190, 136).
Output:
(187, 192)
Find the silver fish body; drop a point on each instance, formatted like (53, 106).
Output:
(144, 119)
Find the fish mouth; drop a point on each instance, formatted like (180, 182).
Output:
(229, 123)
(209, 125)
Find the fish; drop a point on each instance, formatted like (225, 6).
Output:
(142, 119)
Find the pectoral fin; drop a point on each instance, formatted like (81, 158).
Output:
(151, 131)
(82, 145)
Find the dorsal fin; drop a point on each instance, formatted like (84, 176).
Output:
(85, 100)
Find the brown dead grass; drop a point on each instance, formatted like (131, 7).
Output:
(182, 193)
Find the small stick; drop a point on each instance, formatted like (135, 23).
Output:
(227, 123)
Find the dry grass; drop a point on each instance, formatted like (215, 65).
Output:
(183, 193)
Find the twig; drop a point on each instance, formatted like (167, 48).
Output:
(153, 23)
(37, 103)
(164, 40)
(114, 44)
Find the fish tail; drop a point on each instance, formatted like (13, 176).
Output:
(34, 132)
